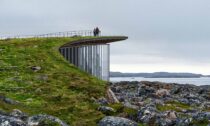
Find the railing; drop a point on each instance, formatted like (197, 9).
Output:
(52, 35)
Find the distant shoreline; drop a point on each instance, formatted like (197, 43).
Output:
(158, 75)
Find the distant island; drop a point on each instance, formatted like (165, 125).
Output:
(158, 75)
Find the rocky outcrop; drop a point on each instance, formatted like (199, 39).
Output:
(37, 119)
(18, 118)
(11, 121)
(111, 96)
(116, 121)
(165, 104)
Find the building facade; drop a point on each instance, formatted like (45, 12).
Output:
(93, 59)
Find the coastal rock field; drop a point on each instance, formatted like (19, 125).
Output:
(162, 104)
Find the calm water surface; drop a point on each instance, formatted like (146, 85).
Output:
(195, 81)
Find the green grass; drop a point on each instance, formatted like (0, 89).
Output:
(203, 122)
(121, 110)
(173, 105)
(65, 91)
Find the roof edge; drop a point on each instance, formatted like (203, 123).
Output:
(95, 41)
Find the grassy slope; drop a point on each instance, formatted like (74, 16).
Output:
(58, 89)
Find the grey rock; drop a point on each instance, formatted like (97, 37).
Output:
(191, 111)
(145, 90)
(205, 105)
(102, 101)
(165, 122)
(184, 100)
(195, 102)
(158, 102)
(8, 100)
(35, 120)
(18, 118)
(116, 121)
(183, 122)
(11, 121)
(18, 114)
(147, 95)
(202, 116)
(171, 115)
(145, 114)
(129, 105)
(106, 110)
(4, 113)
(162, 92)
(36, 68)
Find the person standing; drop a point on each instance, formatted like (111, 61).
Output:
(97, 31)
(94, 31)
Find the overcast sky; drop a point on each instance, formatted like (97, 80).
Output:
(164, 35)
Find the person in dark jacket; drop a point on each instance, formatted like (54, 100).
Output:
(94, 32)
(97, 31)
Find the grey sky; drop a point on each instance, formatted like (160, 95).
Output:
(164, 35)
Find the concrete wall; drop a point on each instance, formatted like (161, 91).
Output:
(94, 59)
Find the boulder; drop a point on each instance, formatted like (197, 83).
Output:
(4, 113)
(8, 100)
(18, 114)
(171, 115)
(158, 102)
(37, 119)
(165, 122)
(129, 105)
(106, 110)
(146, 114)
(145, 90)
(202, 116)
(116, 121)
(11, 121)
(141, 103)
(205, 105)
(162, 92)
(183, 122)
(18, 118)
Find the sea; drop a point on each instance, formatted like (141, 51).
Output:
(194, 81)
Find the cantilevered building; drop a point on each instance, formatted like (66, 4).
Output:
(91, 55)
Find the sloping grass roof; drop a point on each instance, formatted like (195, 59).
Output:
(59, 88)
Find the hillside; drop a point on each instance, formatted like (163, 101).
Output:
(40, 80)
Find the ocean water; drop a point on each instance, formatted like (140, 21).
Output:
(195, 81)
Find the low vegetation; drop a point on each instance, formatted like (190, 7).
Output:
(173, 105)
(58, 88)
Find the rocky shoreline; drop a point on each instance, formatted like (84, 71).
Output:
(161, 104)
(18, 118)
(134, 104)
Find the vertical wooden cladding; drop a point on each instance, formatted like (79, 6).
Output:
(94, 59)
